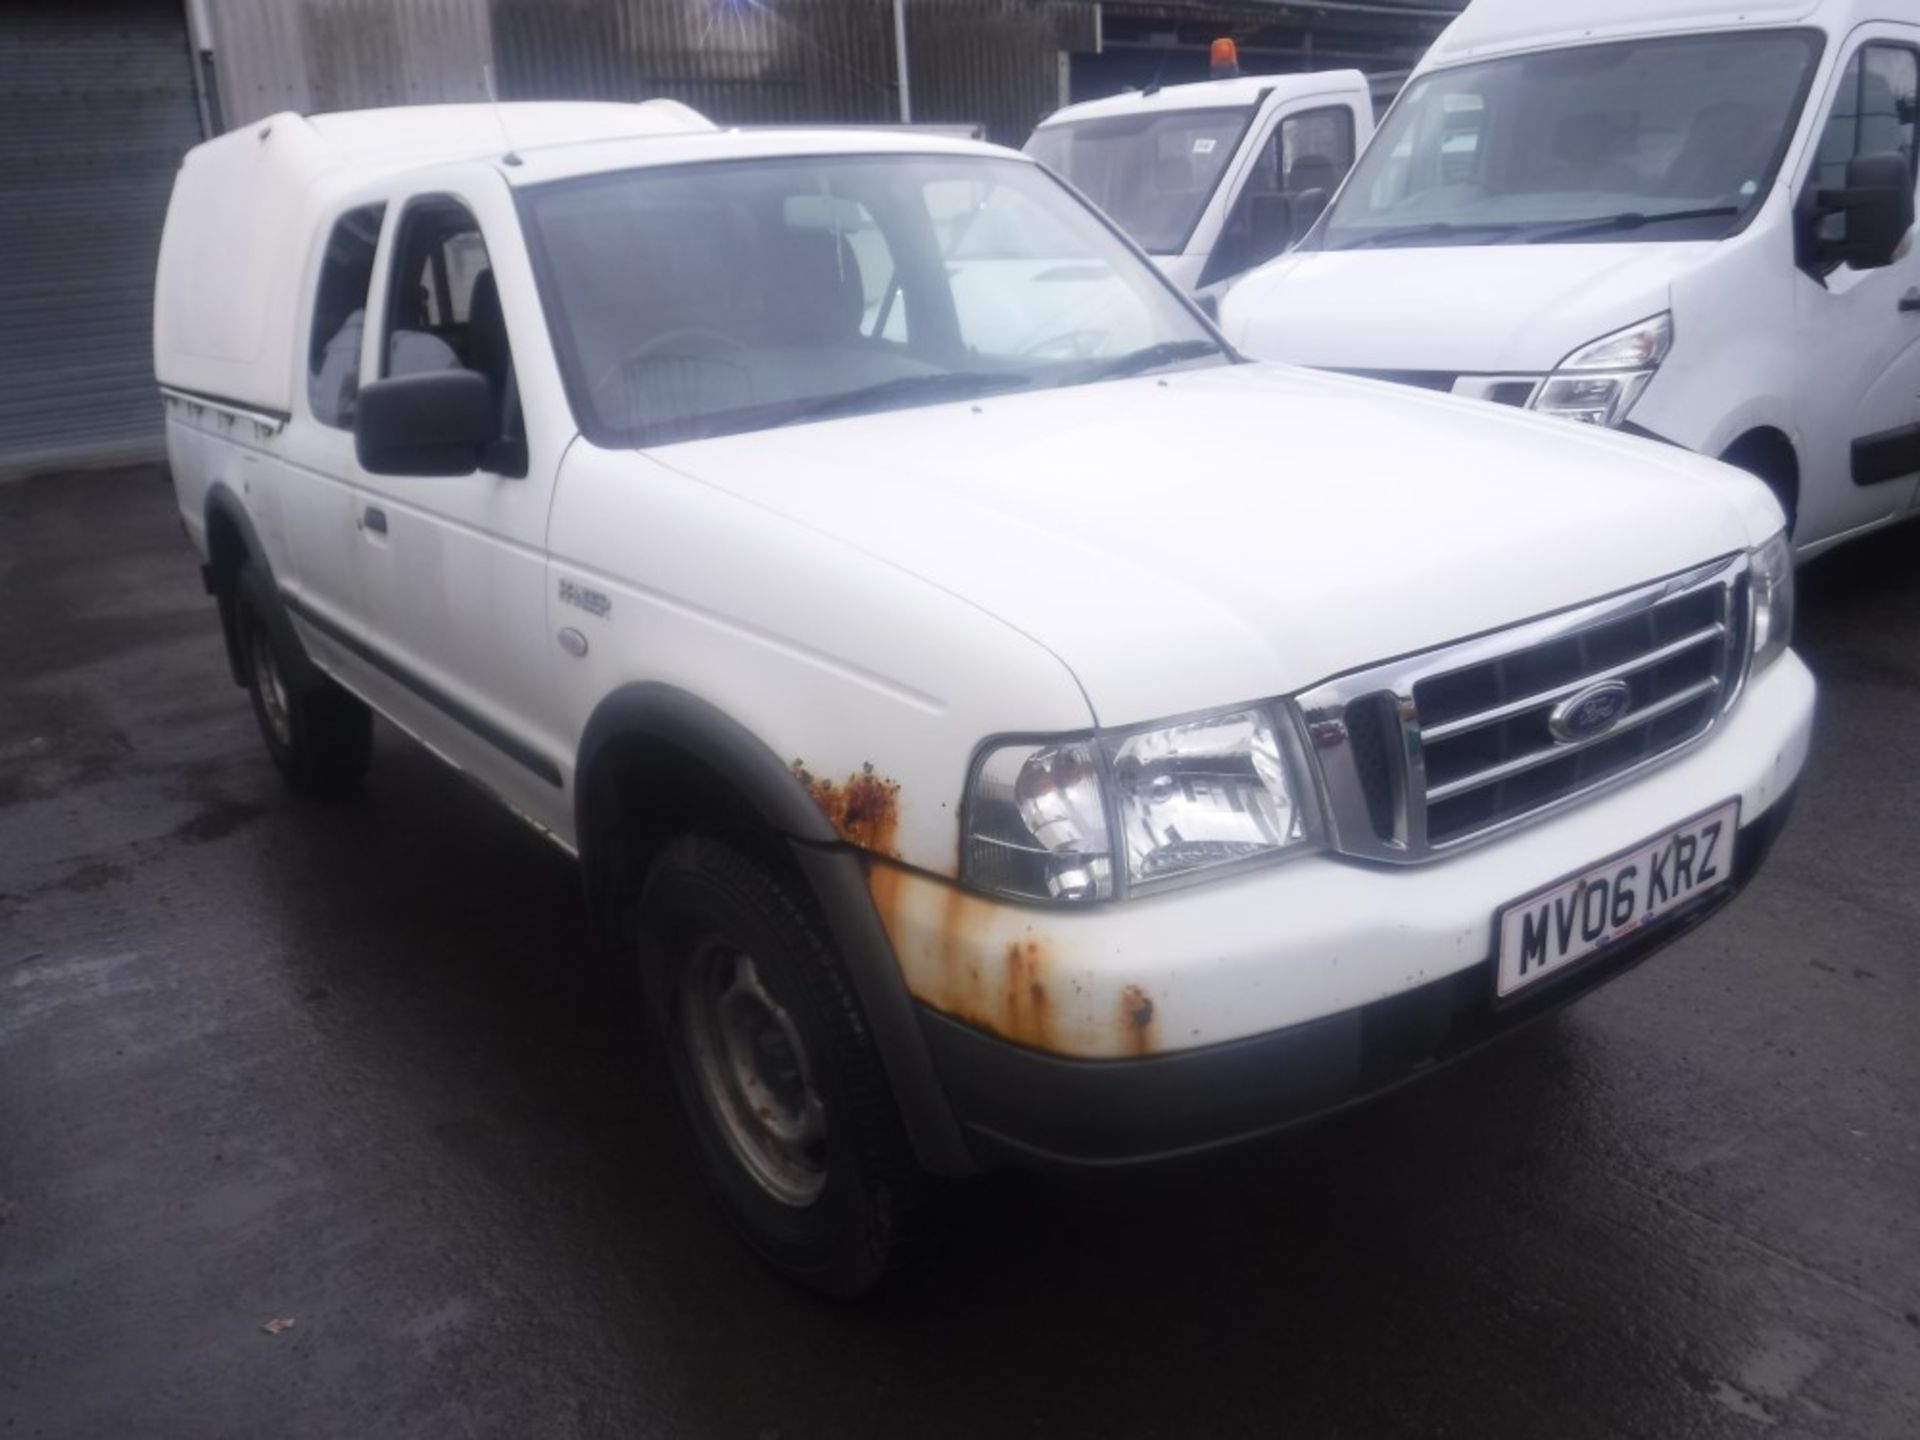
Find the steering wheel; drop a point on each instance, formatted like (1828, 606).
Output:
(712, 340)
(1068, 345)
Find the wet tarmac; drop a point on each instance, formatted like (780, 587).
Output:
(341, 1064)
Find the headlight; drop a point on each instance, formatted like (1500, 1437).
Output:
(1599, 383)
(1086, 819)
(1772, 578)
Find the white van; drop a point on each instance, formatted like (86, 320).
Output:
(995, 726)
(1679, 218)
(1211, 179)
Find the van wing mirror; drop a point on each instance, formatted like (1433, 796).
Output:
(436, 423)
(1878, 205)
(1270, 226)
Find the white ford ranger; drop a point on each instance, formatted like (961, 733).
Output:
(1000, 723)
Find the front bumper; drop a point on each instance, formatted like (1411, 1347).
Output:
(1016, 1103)
(1287, 990)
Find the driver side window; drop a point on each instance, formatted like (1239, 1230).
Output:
(443, 313)
(1873, 114)
(1308, 152)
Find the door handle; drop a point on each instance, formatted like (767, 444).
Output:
(375, 519)
(1910, 302)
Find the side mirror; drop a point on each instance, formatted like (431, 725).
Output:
(1878, 205)
(1308, 206)
(436, 423)
(1270, 227)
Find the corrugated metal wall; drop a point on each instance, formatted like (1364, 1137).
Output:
(994, 61)
(97, 106)
(315, 55)
(739, 61)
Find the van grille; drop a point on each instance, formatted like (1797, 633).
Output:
(1452, 746)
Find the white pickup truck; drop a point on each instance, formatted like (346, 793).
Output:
(1683, 219)
(997, 722)
(1213, 178)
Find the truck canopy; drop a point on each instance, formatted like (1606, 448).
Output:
(248, 206)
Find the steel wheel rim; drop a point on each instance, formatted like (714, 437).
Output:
(753, 1073)
(273, 690)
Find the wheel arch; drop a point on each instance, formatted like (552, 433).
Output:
(1768, 453)
(231, 543)
(655, 760)
(664, 748)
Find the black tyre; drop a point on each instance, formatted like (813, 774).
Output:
(773, 1069)
(1773, 463)
(320, 737)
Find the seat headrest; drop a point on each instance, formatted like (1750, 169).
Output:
(815, 293)
(1312, 172)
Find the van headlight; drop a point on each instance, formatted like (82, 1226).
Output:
(1090, 818)
(1771, 571)
(1599, 383)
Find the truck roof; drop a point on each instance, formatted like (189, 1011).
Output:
(1238, 93)
(429, 134)
(1494, 27)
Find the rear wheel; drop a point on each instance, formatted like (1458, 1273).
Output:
(320, 737)
(773, 1070)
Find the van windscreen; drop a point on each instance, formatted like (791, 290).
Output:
(1153, 172)
(1676, 138)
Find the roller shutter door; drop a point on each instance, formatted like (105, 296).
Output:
(97, 106)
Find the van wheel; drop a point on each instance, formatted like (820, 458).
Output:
(1769, 457)
(320, 737)
(773, 1070)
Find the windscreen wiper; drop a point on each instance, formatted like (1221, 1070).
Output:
(1437, 230)
(1167, 352)
(1629, 220)
(911, 390)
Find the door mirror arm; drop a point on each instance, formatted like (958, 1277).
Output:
(1878, 203)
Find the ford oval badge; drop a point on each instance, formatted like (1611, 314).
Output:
(1592, 712)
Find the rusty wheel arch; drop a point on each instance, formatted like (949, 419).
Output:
(655, 760)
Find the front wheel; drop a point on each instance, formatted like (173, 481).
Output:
(319, 736)
(773, 1070)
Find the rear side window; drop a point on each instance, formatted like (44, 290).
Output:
(339, 316)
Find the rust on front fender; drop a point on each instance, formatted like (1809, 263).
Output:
(864, 809)
(1007, 970)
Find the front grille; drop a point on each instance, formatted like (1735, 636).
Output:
(1431, 753)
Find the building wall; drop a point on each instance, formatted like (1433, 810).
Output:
(995, 62)
(97, 106)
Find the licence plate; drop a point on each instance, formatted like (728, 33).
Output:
(1548, 931)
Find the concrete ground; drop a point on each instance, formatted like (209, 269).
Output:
(338, 1064)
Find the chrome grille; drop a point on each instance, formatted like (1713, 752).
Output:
(1452, 746)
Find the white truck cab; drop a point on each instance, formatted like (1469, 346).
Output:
(995, 722)
(1685, 219)
(1212, 178)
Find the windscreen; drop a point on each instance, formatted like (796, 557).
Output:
(710, 299)
(1663, 139)
(1153, 172)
